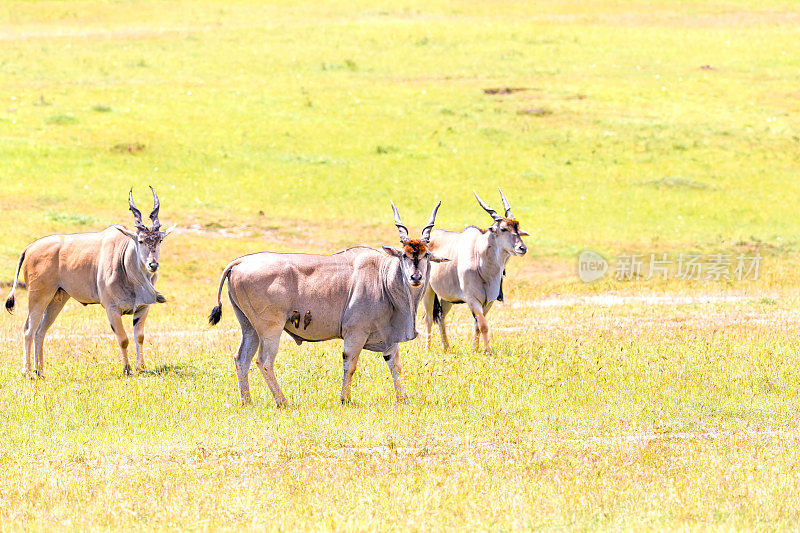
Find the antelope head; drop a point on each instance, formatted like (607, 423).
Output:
(505, 229)
(147, 240)
(414, 256)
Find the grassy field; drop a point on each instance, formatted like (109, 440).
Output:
(620, 127)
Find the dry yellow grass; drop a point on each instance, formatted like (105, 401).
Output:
(290, 126)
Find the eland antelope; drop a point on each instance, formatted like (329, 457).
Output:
(475, 273)
(366, 297)
(115, 268)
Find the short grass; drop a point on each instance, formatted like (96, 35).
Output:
(638, 127)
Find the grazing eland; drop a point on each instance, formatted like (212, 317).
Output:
(475, 273)
(366, 297)
(115, 268)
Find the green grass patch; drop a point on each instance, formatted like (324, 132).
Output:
(620, 127)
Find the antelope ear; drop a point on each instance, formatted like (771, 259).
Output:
(437, 259)
(523, 233)
(392, 251)
(169, 230)
(127, 232)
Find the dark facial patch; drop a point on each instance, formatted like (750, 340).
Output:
(151, 238)
(415, 248)
(512, 224)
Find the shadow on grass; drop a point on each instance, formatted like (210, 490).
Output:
(178, 371)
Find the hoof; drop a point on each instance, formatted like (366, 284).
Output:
(39, 374)
(126, 370)
(283, 405)
(27, 375)
(141, 369)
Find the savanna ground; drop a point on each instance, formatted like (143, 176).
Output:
(668, 127)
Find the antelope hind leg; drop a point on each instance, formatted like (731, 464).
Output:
(242, 361)
(37, 304)
(51, 312)
(266, 363)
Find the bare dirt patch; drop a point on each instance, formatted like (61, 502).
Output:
(505, 90)
(632, 315)
(611, 300)
(219, 231)
(534, 111)
(128, 148)
(31, 33)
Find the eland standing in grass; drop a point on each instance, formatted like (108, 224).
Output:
(115, 268)
(475, 274)
(366, 297)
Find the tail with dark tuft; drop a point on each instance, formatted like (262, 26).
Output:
(216, 313)
(437, 309)
(215, 316)
(11, 300)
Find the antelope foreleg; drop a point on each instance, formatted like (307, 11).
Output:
(138, 334)
(350, 353)
(115, 319)
(445, 307)
(427, 302)
(443, 332)
(481, 327)
(392, 358)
